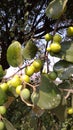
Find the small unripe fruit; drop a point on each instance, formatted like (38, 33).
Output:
(70, 31)
(25, 93)
(52, 75)
(57, 38)
(48, 37)
(55, 47)
(2, 125)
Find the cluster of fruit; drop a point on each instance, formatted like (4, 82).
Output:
(16, 84)
(55, 45)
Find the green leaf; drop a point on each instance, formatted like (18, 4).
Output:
(61, 111)
(56, 8)
(2, 72)
(67, 73)
(50, 96)
(64, 85)
(64, 69)
(30, 50)
(67, 51)
(61, 65)
(8, 124)
(3, 97)
(14, 54)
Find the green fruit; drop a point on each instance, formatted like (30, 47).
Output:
(25, 93)
(48, 37)
(55, 47)
(26, 78)
(52, 75)
(30, 70)
(14, 54)
(37, 65)
(70, 31)
(2, 110)
(57, 38)
(35, 97)
(15, 81)
(2, 125)
(4, 86)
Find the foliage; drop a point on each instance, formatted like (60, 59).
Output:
(32, 99)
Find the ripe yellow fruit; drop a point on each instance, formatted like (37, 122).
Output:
(2, 110)
(70, 31)
(48, 37)
(37, 65)
(18, 89)
(4, 86)
(57, 38)
(55, 47)
(26, 78)
(30, 70)
(70, 111)
(15, 81)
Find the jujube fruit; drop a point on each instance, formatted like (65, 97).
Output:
(15, 81)
(55, 47)
(57, 38)
(29, 70)
(70, 31)
(2, 110)
(26, 78)
(2, 125)
(25, 93)
(48, 37)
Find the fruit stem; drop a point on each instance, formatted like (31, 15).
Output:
(46, 57)
(72, 101)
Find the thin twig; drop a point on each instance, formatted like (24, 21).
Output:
(26, 102)
(69, 91)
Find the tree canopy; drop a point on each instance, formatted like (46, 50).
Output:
(33, 32)
(21, 20)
